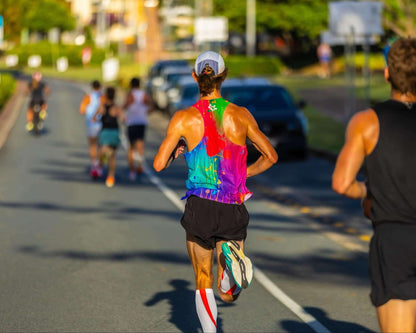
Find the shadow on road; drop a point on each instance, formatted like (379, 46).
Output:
(114, 210)
(325, 264)
(182, 305)
(332, 325)
(121, 256)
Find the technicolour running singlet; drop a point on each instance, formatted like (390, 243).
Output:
(217, 168)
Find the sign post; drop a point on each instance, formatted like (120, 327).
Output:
(355, 23)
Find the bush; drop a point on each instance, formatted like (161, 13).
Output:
(260, 65)
(49, 52)
(7, 87)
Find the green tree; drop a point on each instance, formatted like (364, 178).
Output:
(48, 14)
(13, 12)
(305, 18)
(400, 17)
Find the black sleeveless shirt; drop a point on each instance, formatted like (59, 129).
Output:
(391, 166)
(108, 121)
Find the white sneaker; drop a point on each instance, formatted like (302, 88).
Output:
(132, 176)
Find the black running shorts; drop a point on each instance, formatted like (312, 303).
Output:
(393, 262)
(211, 221)
(136, 132)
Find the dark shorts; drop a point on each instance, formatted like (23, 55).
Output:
(109, 137)
(136, 132)
(32, 103)
(393, 262)
(211, 221)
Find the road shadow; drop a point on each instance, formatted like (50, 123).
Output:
(181, 301)
(332, 325)
(333, 266)
(117, 256)
(114, 210)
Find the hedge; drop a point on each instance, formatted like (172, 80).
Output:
(7, 88)
(259, 65)
(50, 52)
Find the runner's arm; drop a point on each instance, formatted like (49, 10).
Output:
(349, 161)
(261, 143)
(129, 100)
(84, 103)
(172, 145)
(99, 111)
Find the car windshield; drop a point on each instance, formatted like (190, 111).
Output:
(259, 98)
(175, 77)
(190, 91)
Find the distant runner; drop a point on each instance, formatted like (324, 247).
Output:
(137, 105)
(215, 132)
(384, 138)
(108, 137)
(88, 107)
(38, 91)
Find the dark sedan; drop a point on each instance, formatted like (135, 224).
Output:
(276, 114)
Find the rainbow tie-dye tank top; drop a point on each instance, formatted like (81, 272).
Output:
(217, 168)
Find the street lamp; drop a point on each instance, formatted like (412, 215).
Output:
(251, 28)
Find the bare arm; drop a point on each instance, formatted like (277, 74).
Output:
(261, 143)
(129, 100)
(350, 160)
(100, 111)
(172, 145)
(84, 103)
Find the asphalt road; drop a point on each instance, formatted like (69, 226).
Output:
(79, 257)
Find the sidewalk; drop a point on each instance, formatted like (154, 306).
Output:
(10, 111)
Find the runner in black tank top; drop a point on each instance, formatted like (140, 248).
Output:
(384, 137)
(109, 138)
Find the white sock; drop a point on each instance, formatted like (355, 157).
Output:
(206, 309)
(228, 284)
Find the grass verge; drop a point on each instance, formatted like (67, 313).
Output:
(7, 88)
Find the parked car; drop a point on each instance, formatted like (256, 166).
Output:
(169, 77)
(277, 115)
(185, 93)
(153, 78)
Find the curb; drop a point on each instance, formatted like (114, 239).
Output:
(10, 112)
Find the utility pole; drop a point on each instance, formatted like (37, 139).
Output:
(251, 28)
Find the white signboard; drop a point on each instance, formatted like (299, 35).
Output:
(34, 61)
(12, 60)
(328, 38)
(62, 64)
(110, 69)
(210, 29)
(358, 18)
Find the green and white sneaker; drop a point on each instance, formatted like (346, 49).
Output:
(239, 265)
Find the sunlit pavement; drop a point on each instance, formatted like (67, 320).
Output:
(77, 256)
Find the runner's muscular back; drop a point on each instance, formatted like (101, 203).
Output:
(238, 124)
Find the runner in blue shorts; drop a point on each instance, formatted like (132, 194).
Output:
(108, 137)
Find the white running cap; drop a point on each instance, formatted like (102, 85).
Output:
(211, 59)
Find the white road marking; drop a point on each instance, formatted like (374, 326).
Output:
(271, 287)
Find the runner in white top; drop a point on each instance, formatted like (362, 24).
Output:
(137, 106)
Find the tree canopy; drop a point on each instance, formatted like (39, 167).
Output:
(307, 18)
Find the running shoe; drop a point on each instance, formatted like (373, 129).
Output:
(139, 169)
(109, 182)
(43, 114)
(94, 172)
(132, 176)
(29, 126)
(239, 265)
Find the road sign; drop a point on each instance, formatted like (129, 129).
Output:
(210, 29)
(357, 18)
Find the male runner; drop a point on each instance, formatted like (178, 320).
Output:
(137, 105)
(215, 133)
(89, 105)
(384, 137)
(38, 91)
